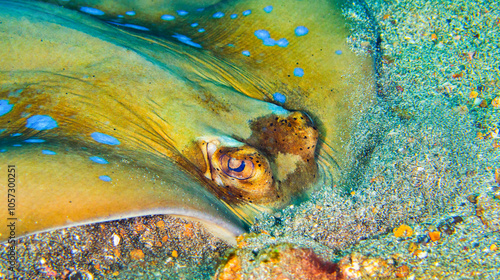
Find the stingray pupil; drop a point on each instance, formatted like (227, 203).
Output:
(237, 169)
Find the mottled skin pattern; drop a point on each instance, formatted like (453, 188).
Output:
(190, 123)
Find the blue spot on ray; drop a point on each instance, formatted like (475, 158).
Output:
(182, 12)
(268, 9)
(105, 178)
(278, 97)
(3, 150)
(301, 31)
(34, 141)
(133, 26)
(167, 17)
(2, 130)
(130, 13)
(16, 134)
(16, 145)
(218, 15)
(339, 52)
(233, 16)
(262, 34)
(282, 42)
(269, 42)
(247, 12)
(104, 138)
(48, 152)
(186, 40)
(194, 24)
(299, 72)
(246, 53)
(201, 30)
(92, 11)
(5, 107)
(99, 160)
(41, 122)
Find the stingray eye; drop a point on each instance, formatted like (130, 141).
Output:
(237, 168)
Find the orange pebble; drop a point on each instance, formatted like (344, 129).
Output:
(189, 230)
(175, 254)
(473, 94)
(164, 239)
(413, 247)
(435, 235)
(117, 252)
(497, 175)
(402, 271)
(160, 224)
(495, 102)
(483, 104)
(493, 247)
(403, 231)
(139, 227)
(434, 37)
(137, 254)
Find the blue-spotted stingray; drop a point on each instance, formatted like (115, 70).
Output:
(212, 111)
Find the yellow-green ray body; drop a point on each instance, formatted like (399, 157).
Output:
(336, 83)
(87, 90)
(155, 99)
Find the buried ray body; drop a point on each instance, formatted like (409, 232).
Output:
(136, 124)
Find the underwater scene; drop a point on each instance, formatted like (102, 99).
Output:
(249, 139)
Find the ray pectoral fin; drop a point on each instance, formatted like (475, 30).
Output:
(294, 54)
(58, 187)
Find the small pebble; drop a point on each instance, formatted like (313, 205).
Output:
(116, 239)
(493, 247)
(403, 231)
(435, 235)
(422, 254)
(496, 102)
(137, 254)
(402, 271)
(160, 224)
